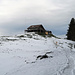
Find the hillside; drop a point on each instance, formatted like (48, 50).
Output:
(31, 54)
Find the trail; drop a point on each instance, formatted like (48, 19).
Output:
(69, 69)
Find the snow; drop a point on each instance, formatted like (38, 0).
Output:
(18, 55)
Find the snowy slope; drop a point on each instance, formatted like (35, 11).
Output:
(18, 55)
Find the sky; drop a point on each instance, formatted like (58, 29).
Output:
(17, 15)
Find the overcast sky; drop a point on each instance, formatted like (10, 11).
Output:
(17, 15)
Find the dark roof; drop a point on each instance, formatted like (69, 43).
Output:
(36, 26)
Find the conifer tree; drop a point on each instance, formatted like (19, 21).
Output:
(71, 30)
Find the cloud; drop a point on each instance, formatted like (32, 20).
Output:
(17, 14)
(12, 9)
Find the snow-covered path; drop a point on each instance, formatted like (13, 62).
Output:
(70, 54)
(18, 56)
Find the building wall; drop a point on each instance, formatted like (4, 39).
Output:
(46, 33)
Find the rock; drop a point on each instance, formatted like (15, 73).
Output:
(42, 56)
